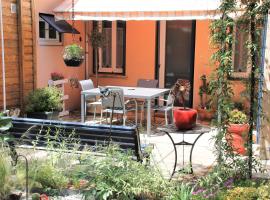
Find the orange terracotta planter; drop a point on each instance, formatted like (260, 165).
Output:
(237, 136)
(185, 119)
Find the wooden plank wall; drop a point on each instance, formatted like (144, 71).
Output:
(19, 40)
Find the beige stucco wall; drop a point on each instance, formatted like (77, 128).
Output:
(49, 58)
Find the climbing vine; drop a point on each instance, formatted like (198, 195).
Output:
(251, 13)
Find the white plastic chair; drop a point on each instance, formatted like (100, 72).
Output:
(87, 85)
(168, 107)
(117, 105)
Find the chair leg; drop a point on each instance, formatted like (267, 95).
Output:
(101, 116)
(124, 119)
(166, 117)
(95, 109)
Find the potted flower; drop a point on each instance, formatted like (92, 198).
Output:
(205, 112)
(44, 103)
(184, 118)
(237, 132)
(73, 55)
(57, 76)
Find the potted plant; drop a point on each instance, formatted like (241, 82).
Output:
(73, 55)
(44, 103)
(57, 76)
(237, 132)
(98, 40)
(205, 112)
(184, 118)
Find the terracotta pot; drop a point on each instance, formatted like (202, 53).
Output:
(185, 119)
(237, 136)
(204, 114)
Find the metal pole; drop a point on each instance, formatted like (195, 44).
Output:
(261, 79)
(3, 57)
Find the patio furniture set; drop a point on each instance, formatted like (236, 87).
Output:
(145, 92)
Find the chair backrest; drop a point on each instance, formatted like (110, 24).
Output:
(147, 83)
(170, 99)
(87, 84)
(119, 102)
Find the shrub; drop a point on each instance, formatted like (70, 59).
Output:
(264, 192)
(242, 193)
(117, 176)
(44, 100)
(237, 117)
(48, 176)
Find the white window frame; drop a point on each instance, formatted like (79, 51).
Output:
(113, 68)
(47, 40)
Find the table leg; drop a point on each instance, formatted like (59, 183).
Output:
(82, 108)
(148, 117)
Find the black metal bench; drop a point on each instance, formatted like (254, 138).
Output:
(26, 130)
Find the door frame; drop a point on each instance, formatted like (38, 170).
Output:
(160, 69)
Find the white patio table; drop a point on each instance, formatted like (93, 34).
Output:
(130, 92)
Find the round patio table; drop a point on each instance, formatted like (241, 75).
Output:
(170, 129)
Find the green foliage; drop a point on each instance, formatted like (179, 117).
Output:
(48, 176)
(204, 92)
(237, 117)
(183, 192)
(5, 172)
(118, 176)
(264, 192)
(44, 100)
(242, 193)
(73, 52)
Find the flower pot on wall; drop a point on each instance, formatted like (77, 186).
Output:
(237, 136)
(185, 118)
(73, 63)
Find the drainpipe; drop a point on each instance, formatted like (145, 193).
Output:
(261, 80)
(3, 58)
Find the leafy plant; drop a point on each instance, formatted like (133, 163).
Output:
(44, 100)
(204, 92)
(118, 176)
(242, 193)
(237, 117)
(73, 52)
(48, 176)
(183, 192)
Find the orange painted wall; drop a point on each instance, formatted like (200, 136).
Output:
(49, 58)
(140, 55)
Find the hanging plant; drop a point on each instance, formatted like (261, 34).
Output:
(184, 118)
(73, 55)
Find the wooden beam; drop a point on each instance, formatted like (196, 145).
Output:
(34, 43)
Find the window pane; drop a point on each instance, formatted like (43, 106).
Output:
(107, 49)
(240, 50)
(120, 42)
(41, 29)
(52, 32)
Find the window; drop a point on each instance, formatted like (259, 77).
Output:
(48, 35)
(112, 55)
(240, 51)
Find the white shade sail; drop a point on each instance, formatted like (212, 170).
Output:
(138, 9)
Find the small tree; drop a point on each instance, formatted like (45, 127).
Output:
(98, 40)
